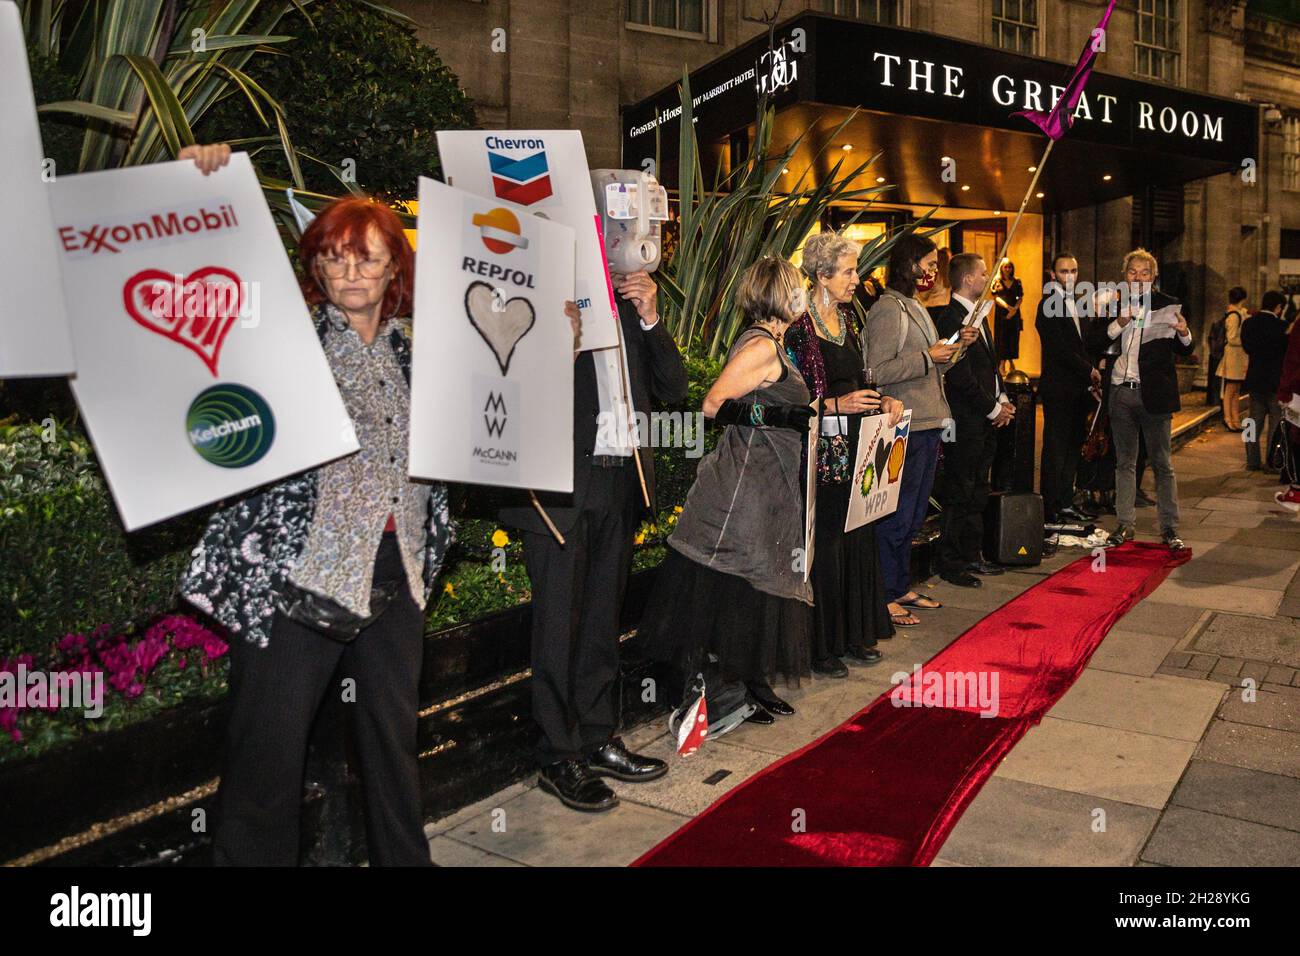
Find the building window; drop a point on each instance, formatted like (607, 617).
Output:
(1291, 153)
(888, 12)
(1015, 25)
(1156, 50)
(682, 16)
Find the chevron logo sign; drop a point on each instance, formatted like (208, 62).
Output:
(524, 181)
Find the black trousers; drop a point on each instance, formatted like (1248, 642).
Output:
(1065, 426)
(577, 597)
(967, 463)
(275, 693)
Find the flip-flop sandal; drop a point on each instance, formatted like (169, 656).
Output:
(915, 602)
(901, 620)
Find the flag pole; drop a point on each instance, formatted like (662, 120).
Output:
(1006, 243)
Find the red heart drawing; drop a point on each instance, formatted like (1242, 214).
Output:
(195, 310)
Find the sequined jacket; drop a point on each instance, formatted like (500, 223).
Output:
(250, 545)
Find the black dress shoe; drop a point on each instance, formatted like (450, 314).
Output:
(986, 567)
(760, 717)
(770, 702)
(576, 786)
(1073, 514)
(863, 656)
(963, 579)
(830, 667)
(615, 760)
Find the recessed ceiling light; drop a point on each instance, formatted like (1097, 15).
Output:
(847, 147)
(1033, 169)
(880, 179)
(965, 189)
(1106, 178)
(784, 170)
(1039, 195)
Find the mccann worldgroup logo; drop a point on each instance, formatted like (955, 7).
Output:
(230, 425)
(494, 414)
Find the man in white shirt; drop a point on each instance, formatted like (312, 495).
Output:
(1151, 330)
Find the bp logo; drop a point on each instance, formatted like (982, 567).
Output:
(230, 425)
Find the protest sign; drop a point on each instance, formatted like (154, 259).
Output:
(200, 373)
(34, 335)
(542, 172)
(878, 470)
(492, 372)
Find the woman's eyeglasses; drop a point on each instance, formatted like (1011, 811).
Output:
(335, 268)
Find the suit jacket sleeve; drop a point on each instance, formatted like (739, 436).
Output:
(668, 381)
(962, 385)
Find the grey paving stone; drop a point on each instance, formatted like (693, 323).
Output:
(1226, 670)
(1131, 652)
(1289, 607)
(1278, 711)
(1186, 837)
(1231, 519)
(1155, 617)
(1178, 659)
(1203, 662)
(1254, 670)
(540, 831)
(1286, 690)
(1280, 674)
(684, 789)
(1011, 823)
(1255, 748)
(1265, 798)
(1267, 538)
(1223, 572)
(447, 852)
(1247, 637)
(1119, 765)
(1164, 706)
(1220, 597)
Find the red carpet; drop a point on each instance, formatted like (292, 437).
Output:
(886, 787)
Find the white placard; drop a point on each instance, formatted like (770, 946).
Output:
(200, 373)
(34, 335)
(492, 373)
(543, 172)
(878, 470)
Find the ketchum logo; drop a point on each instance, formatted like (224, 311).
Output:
(500, 231)
(230, 425)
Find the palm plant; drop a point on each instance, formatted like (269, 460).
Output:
(723, 230)
(146, 71)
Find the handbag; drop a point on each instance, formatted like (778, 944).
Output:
(326, 616)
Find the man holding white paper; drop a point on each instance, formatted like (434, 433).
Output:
(1151, 330)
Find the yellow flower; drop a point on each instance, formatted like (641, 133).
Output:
(449, 588)
(500, 539)
(677, 509)
(640, 538)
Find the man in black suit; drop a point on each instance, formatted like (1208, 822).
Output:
(1151, 330)
(1264, 338)
(978, 405)
(1067, 388)
(578, 586)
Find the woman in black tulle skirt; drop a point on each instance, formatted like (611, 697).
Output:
(730, 601)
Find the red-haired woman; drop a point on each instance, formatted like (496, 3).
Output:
(332, 567)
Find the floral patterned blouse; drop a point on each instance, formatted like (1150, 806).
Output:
(251, 545)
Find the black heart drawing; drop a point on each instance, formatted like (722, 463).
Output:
(501, 324)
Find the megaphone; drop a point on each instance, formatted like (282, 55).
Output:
(631, 204)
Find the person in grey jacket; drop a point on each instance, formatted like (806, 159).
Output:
(907, 361)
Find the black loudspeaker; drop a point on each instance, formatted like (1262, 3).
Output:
(1013, 466)
(1013, 528)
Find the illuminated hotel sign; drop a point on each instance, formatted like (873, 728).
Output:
(843, 63)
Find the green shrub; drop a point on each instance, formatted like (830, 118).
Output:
(354, 85)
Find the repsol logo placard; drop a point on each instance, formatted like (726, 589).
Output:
(230, 425)
(495, 272)
(141, 230)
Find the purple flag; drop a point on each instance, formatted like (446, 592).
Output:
(1056, 123)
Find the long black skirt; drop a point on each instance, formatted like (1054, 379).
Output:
(850, 609)
(699, 619)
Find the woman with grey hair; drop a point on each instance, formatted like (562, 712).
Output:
(850, 613)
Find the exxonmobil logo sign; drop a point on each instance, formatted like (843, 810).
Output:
(80, 240)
